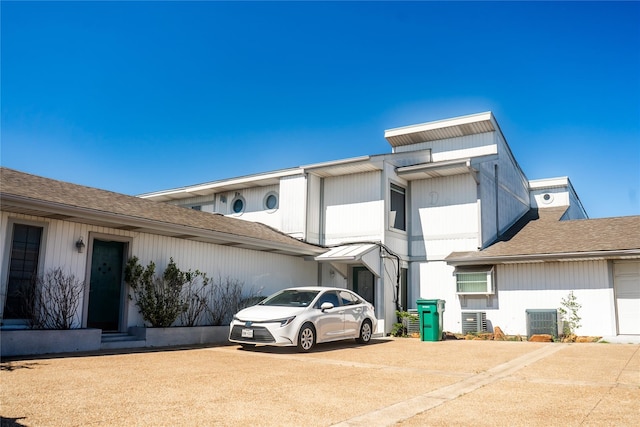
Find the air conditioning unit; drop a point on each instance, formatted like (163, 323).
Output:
(474, 321)
(542, 321)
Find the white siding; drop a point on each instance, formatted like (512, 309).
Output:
(293, 205)
(521, 287)
(513, 199)
(261, 272)
(354, 210)
(456, 148)
(444, 216)
(544, 285)
(314, 218)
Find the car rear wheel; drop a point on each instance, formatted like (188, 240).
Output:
(306, 338)
(365, 332)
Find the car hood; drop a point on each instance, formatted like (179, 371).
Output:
(261, 313)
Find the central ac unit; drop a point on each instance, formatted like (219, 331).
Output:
(474, 321)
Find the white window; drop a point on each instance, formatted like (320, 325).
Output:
(477, 281)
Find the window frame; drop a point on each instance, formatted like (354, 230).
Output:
(6, 262)
(489, 282)
(266, 199)
(400, 190)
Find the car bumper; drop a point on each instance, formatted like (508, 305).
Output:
(269, 334)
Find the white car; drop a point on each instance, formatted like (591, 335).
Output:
(304, 317)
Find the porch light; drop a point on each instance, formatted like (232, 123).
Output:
(80, 245)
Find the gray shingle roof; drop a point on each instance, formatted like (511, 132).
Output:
(541, 234)
(35, 195)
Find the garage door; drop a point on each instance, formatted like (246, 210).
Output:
(627, 285)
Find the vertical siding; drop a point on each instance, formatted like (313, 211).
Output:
(513, 193)
(444, 216)
(455, 148)
(544, 285)
(260, 272)
(293, 205)
(313, 210)
(521, 287)
(353, 208)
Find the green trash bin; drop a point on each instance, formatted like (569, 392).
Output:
(430, 315)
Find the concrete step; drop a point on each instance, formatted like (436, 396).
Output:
(115, 341)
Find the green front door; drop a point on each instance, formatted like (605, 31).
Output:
(105, 286)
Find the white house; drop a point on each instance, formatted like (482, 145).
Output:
(90, 233)
(424, 220)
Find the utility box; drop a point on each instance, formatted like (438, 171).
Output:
(430, 315)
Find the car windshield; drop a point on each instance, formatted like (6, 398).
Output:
(291, 298)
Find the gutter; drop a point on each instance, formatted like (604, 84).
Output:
(535, 258)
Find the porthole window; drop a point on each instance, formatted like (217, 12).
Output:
(271, 201)
(238, 205)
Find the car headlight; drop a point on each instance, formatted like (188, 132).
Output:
(285, 322)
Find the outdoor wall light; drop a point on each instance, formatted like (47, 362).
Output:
(80, 245)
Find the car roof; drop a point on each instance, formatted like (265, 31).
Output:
(315, 288)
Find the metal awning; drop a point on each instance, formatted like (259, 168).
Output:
(367, 254)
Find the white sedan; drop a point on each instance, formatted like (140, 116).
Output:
(304, 317)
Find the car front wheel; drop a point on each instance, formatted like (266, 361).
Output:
(306, 338)
(365, 332)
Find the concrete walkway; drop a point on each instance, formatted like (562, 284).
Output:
(402, 382)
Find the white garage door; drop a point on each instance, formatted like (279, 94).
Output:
(627, 282)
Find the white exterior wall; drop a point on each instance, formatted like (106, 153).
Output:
(254, 209)
(544, 285)
(512, 193)
(314, 209)
(527, 286)
(293, 206)
(444, 216)
(353, 210)
(261, 272)
(481, 144)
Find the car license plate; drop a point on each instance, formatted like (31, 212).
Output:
(247, 333)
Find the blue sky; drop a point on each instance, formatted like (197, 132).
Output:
(146, 96)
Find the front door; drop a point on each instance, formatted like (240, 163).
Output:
(105, 285)
(363, 283)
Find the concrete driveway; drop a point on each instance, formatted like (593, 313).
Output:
(402, 382)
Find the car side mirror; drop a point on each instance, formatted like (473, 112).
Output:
(326, 306)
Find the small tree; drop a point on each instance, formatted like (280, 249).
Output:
(160, 299)
(52, 300)
(569, 314)
(226, 297)
(194, 293)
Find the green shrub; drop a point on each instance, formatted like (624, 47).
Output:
(161, 299)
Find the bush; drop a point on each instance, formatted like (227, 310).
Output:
(400, 329)
(52, 301)
(161, 299)
(226, 298)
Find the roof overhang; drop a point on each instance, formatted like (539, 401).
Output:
(51, 210)
(436, 170)
(344, 167)
(367, 254)
(260, 180)
(442, 129)
(466, 259)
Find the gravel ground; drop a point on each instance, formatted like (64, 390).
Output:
(402, 382)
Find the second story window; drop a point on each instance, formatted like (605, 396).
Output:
(397, 213)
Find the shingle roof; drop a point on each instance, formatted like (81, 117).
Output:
(35, 195)
(541, 234)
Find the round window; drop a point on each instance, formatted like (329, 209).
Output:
(238, 205)
(271, 202)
